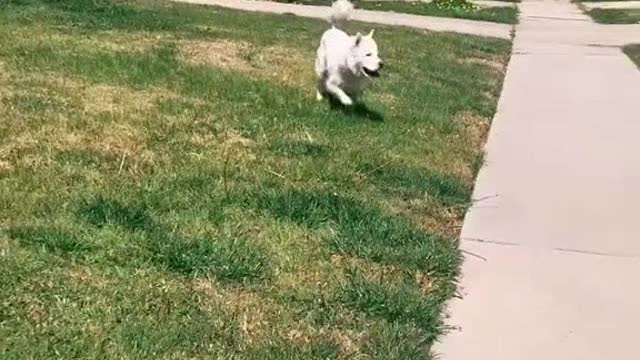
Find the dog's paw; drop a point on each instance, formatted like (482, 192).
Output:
(319, 96)
(346, 101)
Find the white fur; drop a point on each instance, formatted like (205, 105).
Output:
(344, 62)
(340, 11)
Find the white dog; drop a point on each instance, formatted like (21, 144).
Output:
(344, 62)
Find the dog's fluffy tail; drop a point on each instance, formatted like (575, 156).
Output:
(340, 13)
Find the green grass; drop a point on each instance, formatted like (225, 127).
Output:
(170, 188)
(506, 15)
(615, 16)
(633, 51)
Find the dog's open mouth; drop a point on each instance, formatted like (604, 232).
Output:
(371, 73)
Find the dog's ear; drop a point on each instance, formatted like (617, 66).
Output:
(371, 33)
(358, 38)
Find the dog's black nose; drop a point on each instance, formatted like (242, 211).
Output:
(381, 65)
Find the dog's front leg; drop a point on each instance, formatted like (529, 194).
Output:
(321, 88)
(335, 90)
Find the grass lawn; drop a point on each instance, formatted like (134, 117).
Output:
(633, 51)
(506, 15)
(615, 16)
(170, 188)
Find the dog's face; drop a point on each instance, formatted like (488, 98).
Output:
(365, 53)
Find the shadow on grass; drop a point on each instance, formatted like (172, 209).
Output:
(51, 239)
(399, 303)
(227, 259)
(416, 183)
(358, 111)
(364, 231)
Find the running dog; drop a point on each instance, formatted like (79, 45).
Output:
(344, 62)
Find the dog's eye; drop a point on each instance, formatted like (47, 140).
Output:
(369, 54)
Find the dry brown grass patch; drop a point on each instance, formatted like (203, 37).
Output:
(224, 54)
(348, 342)
(254, 313)
(37, 313)
(467, 141)
(107, 98)
(102, 41)
(430, 216)
(234, 138)
(374, 272)
(233, 148)
(316, 276)
(84, 276)
(116, 99)
(4, 73)
(5, 166)
(390, 100)
(495, 64)
(91, 97)
(277, 63)
(288, 66)
(118, 142)
(116, 139)
(474, 127)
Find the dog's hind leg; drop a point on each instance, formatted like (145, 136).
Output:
(321, 73)
(335, 90)
(321, 88)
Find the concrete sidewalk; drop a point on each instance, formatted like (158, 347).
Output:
(471, 27)
(491, 3)
(558, 254)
